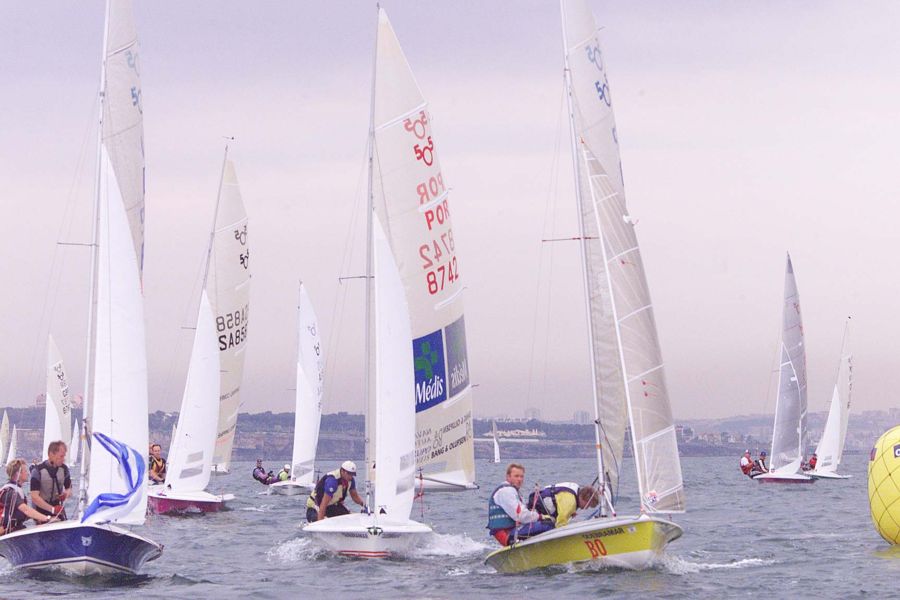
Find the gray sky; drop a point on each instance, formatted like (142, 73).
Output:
(746, 129)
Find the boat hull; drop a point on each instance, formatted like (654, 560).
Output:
(826, 475)
(290, 488)
(366, 536)
(784, 478)
(626, 542)
(79, 549)
(164, 503)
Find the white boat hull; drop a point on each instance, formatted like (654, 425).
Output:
(161, 501)
(366, 536)
(826, 475)
(290, 488)
(774, 477)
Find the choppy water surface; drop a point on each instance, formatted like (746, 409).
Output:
(741, 539)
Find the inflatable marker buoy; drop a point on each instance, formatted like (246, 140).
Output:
(884, 485)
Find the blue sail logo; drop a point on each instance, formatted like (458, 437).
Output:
(431, 372)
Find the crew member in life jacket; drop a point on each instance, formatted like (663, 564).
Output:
(14, 509)
(760, 466)
(51, 483)
(811, 465)
(746, 463)
(259, 473)
(560, 501)
(508, 517)
(157, 465)
(327, 500)
(285, 473)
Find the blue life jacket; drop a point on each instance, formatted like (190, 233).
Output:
(546, 503)
(497, 517)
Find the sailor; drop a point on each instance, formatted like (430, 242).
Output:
(285, 473)
(14, 509)
(506, 512)
(560, 501)
(327, 500)
(746, 463)
(811, 465)
(259, 473)
(51, 483)
(760, 466)
(157, 465)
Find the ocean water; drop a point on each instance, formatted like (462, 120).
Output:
(742, 539)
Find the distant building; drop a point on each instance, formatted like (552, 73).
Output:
(688, 433)
(582, 417)
(40, 400)
(533, 413)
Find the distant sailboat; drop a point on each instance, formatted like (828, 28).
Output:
(626, 373)
(789, 434)
(57, 409)
(4, 434)
(385, 528)
(13, 449)
(308, 401)
(496, 442)
(831, 447)
(113, 487)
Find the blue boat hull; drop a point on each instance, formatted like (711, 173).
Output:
(79, 549)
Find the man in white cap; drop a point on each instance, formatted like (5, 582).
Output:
(285, 473)
(327, 500)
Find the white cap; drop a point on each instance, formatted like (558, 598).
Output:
(349, 466)
(287, 467)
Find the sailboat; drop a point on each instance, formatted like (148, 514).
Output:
(385, 528)
(228, 287)
(57, 410)
(626, 364)
(789, 435)
(496, 442)
(13, 450)
(308, 401)
(831, 446)
(4, 434)
(113, 488)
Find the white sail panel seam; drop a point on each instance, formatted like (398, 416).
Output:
(447, 301)
(400, 117)
(431, 204)
(634, 312)
(647, 372)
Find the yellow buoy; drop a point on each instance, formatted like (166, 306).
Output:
(884, 485)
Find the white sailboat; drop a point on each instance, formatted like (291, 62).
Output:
(13, 449)
(831, 447)
(626, 364)
(57, 409)
(191, 452)
(4, 434)
(789, 434)
(385, 528)
(228, 288)
(308, 401)
(496, 442)
(113, 490)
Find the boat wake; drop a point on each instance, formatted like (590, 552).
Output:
(679, 566)
(447, 544)
(297, 550)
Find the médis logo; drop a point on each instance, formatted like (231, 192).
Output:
(431, 372)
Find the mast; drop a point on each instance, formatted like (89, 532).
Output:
(84, 474)
(607, 494)
(212, 231)
(370, 209)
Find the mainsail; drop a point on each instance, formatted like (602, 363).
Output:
(310, 379)
(228, 287)
(117, 404)
(4, 434)
(190, 454)
(628, 381)
(411, 198)
(831, 446)
(789, 436)
(57, 410)
(496, 442)
(13, 449)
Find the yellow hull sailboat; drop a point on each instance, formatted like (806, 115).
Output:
(628, 383)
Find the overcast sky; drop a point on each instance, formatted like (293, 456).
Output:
(746, 130)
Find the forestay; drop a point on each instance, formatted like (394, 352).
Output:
(57, 410)
(831, 447)
(411, 199)
(310, 380)
(118, 404)
(789, 436)
(228, 287)
(629, 383)
(190, 454)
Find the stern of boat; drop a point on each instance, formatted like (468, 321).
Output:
(366, 536)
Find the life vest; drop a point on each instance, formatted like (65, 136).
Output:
(497, 517)
(545, 502)
(158, 466)
(748, 467)
(52, 485)
(812, 463)
(340, 494)
(260, 475)
(8, 520)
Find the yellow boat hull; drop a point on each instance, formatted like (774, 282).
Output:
(884, 486)
(627, 542)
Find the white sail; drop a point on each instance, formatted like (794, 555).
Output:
(310, 380)
(789, 435)
(395, 421)
(75, 445)
(411, 199)
(4, 434)
(496, 442)
(831, 447)
(627, 368)
(117, 405)
(228, 287)
(57, 410)
(190, 454)
(13, 448)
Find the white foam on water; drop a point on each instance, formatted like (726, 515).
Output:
(679, 566)
(448, 544)
(299, 549)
